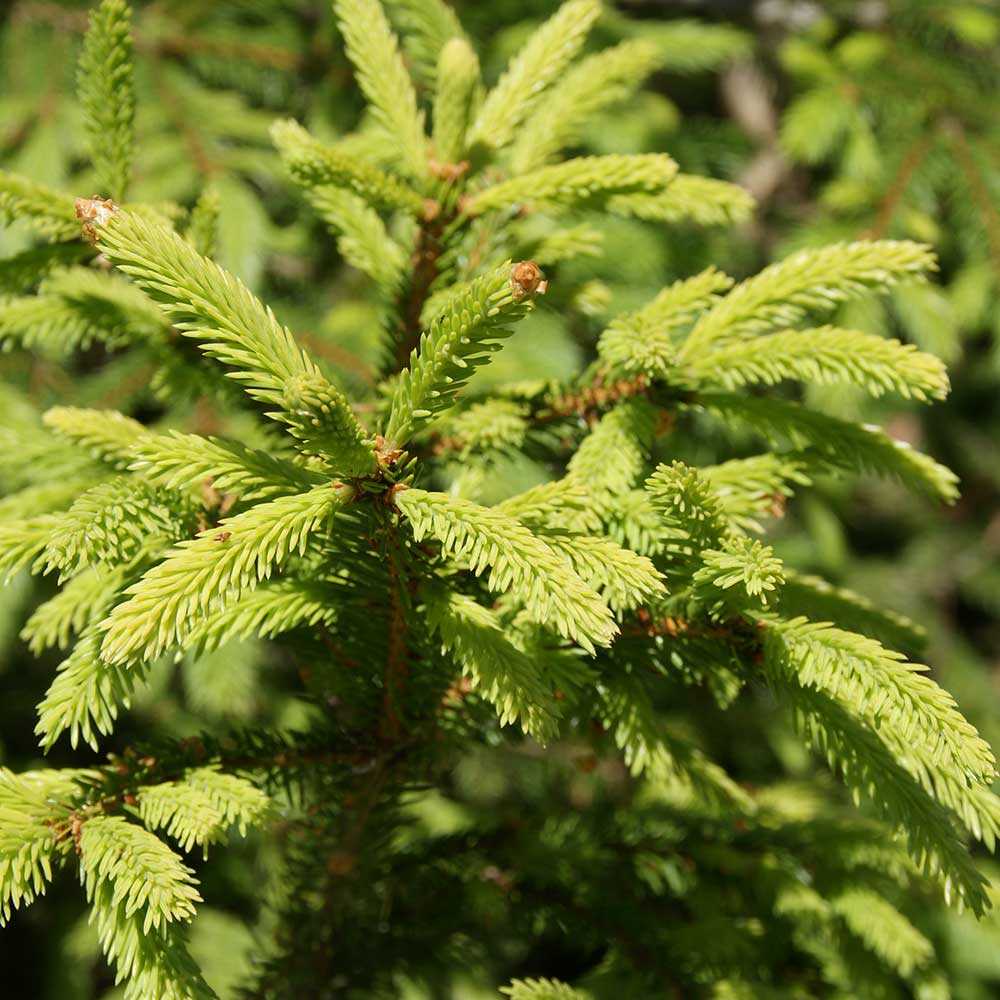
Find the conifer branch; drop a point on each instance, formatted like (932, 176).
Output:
(684, 498)
(835, 443)
(456, 97)
(23, 542)
(563, 504)
(203, 223)
(588, 87)
(85, 696)
(624, 579)
(827, 355)
(28, 845)
(809, 281)
(412, 300)
(519, 562)
(199, 809)
(428, 26)
(52, 213)
(703, 201)
(207, 304)
(272, 608)
(151, 956)
(498, 425)
(629, 714)
(75, 308)
(317, 166)
(82, 599)
(106, 434)
(745, 571)
(542, 989)
(608, 596)
(534, 69)
(612, 457)
(747, 488)
(382, 76)
(648, 339)
(106, 92)
(804, 593)
(577, 183)
(884, 930)
(202, 300)
(870, 771)
(459, 341)
(364, 240)
(204, 573)
(146, 875)
(24, 270)
(914, 716)
(179, 461)
(505, 676)
(111, 522)
(397, 662)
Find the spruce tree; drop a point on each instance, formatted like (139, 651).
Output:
(525, 718)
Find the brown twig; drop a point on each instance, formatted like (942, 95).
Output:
(58, 17)
(667, 625)
(396, 664)
(898, 186)
(53, 14)
(597, 396)
(123, 390)
(338, 355)
(203, 161)
(958, 140)
(261, 55)
(148, 771)
(426, 254)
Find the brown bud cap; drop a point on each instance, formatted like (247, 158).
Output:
(526, 278)
(390, 494)
(448, 171)
(94, 212)
(386, 452)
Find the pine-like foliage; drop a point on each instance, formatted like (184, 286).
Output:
(107, 95)
(607, 622)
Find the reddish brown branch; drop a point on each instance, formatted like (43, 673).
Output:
(261, 55)
(338, 355)
(203, 161)
(59, 18)
(397, 660)
(146, 771)
(667, 625)
(597, 396)
(980, 192)
(425, 270)
(897, 187)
